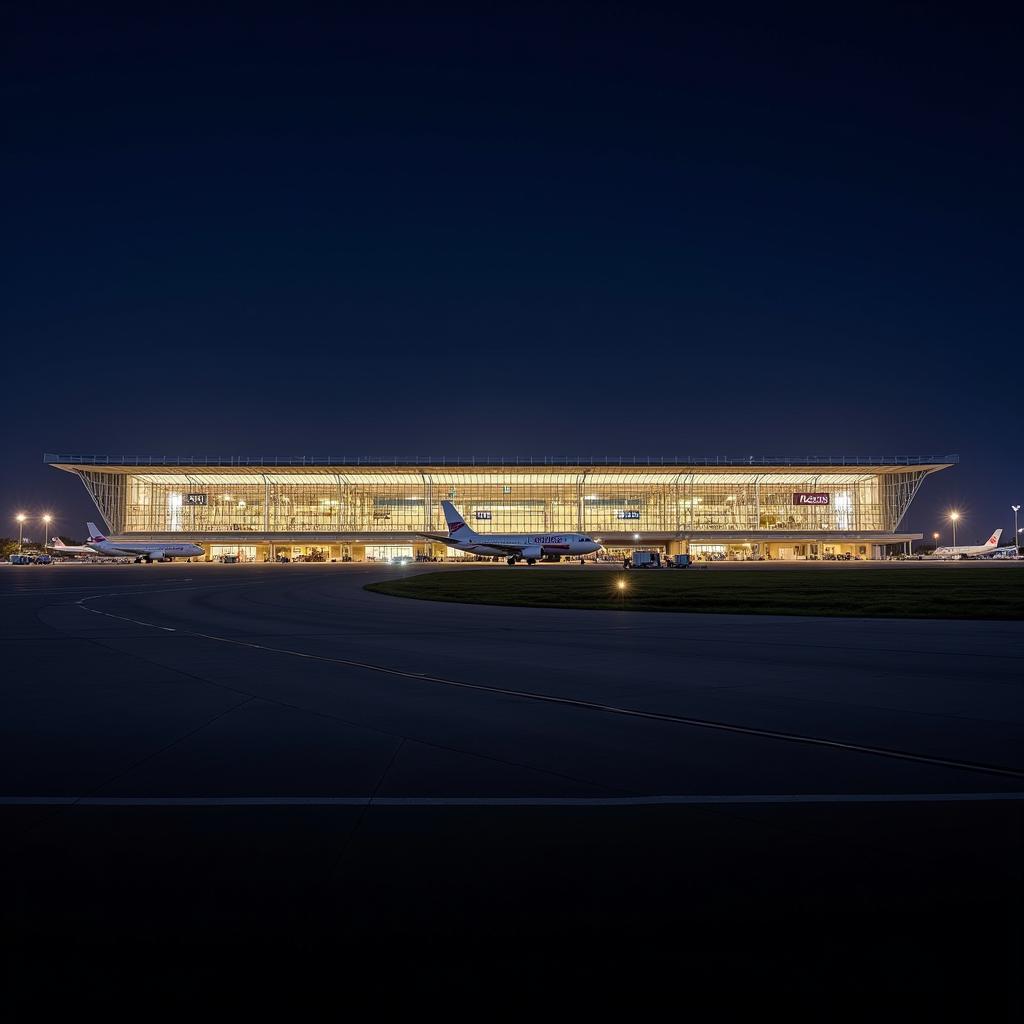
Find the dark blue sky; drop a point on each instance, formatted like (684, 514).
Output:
(615, 231)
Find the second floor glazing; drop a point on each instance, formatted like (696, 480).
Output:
(512, 501)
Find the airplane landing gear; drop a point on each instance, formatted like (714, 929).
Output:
(511, 560)
(531, 561)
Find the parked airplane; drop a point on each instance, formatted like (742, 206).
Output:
(527, 547)
(970, 551)
(61, 548)
(143, 551)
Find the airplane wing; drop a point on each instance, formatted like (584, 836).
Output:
(482, 540)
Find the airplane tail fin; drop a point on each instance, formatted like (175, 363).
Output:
(57, 542)
(994, 539)
(457, 528)
(94, 532)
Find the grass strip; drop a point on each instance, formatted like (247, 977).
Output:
(929, 593)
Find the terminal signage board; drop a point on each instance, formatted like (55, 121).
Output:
(817, 498)
(483, 514)
(628, 514)
(197, 499)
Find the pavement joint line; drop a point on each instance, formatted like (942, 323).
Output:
(140, 622)
(31, 592)
(508, 801)
(404, 738)
(657, 716)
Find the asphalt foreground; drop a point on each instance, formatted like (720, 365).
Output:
(236, 782)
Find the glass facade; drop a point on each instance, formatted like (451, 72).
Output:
(506, 500)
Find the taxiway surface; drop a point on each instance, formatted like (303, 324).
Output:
(214, 754)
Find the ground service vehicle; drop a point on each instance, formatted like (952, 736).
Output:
(645, 560)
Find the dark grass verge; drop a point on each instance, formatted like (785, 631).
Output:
(878, 593)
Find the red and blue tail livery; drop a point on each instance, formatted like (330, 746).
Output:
(452, 518)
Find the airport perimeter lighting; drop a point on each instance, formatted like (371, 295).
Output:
(1016, 532)
(953, 517)
(46, 526)
(21, 529)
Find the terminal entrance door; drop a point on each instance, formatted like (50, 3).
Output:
(243, 552)
(310, 553)
(791, 552)
(385, 552)
(708, 552)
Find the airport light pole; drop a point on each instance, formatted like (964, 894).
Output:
(46, 528)
(1016, 532)
(953, 517)
(21, 530)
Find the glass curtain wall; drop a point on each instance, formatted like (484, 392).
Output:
(509, 501)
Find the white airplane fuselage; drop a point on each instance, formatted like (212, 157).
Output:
(970, 550)
(545, 543)
(149, 552)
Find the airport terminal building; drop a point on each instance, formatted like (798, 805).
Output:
(342, 509)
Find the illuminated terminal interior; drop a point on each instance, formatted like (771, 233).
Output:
(337, 509)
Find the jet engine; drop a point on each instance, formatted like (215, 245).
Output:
(532, 553)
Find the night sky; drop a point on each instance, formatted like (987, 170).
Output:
(614, 232)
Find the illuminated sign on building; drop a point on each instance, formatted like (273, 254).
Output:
(628, 514)
(196, 499)
(816, 498)
(483, 515)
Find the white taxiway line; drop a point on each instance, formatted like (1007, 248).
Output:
(503, 801)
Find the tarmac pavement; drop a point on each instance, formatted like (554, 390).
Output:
(207, 757)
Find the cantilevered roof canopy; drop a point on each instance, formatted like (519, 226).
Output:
(718, 469)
